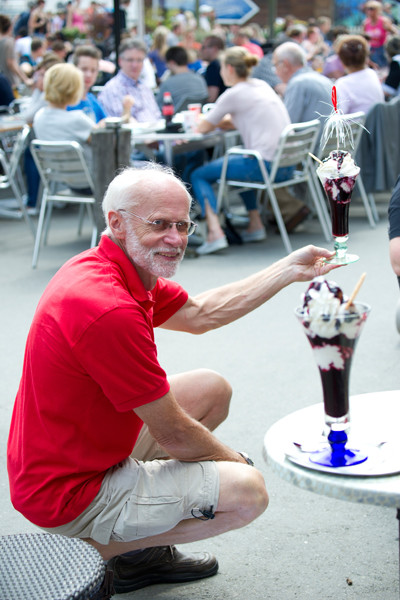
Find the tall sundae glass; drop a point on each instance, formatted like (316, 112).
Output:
(333, 328)
(338, 174)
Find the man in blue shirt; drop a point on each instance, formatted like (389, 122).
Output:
(86, 58)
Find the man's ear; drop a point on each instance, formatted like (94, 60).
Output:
(117, 224)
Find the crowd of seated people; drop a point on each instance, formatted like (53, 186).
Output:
(299, 66)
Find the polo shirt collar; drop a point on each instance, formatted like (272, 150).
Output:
(112, 252)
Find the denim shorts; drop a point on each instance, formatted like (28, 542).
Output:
(140, 498)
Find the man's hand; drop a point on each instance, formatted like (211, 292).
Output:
(309, 262)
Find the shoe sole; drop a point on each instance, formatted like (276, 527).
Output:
(123, 588)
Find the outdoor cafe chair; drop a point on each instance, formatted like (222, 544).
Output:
(191, 99)
(44, 566)
(355, 123)
(295, 143)
(61, 164)
(12, 178)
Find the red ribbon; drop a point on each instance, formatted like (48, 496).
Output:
(334, 98)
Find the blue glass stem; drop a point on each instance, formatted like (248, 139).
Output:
(338, 441)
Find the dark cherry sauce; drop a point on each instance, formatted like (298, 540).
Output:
(339, 193)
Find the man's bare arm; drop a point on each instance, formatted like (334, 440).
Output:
(181, 436)
(220, 306)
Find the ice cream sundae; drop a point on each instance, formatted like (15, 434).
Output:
(332, 328)
(338, 174)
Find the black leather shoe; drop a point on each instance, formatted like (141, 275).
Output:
(163, 564)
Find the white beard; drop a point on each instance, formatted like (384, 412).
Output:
(148, 259)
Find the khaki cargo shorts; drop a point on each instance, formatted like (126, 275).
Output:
(144, 496)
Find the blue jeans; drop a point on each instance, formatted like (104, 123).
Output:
(377, 55)
(239, 167)
(32, 178)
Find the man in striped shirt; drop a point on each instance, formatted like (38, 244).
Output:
(126, 87)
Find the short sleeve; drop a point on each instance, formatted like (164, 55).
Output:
(169, 297)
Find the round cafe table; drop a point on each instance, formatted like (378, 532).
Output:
(375, 419)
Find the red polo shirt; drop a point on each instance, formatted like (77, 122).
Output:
(90, 359)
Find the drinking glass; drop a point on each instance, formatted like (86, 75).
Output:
(333, 340)
(338, 192)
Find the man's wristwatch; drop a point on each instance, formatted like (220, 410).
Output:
(246, 458)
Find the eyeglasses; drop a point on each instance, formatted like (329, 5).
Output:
(276, 65)
(139, 61)
(160, 225)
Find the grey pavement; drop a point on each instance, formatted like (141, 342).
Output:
(305, 546)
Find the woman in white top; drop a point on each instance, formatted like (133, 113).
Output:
(253, 108)
(360, 89)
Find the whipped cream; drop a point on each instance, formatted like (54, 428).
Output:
(338, 164)
(324, 313)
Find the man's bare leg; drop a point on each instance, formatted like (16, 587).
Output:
(204, 394)
(243, 497)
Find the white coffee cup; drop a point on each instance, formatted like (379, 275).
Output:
(196, 108)
(189, 120)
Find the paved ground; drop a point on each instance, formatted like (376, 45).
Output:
(305, 546)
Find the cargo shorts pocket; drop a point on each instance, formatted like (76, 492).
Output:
(142, 517)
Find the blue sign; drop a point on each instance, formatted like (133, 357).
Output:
(226, 11)
(234, 11)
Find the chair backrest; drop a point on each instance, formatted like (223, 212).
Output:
(295, 143)
(10, 161)
(186, 100)
(20, 144)
(61, 162)
(7, 109)
(355, 125)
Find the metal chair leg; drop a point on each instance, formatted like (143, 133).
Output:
(221, 188)
(39, 231)
(279, 221)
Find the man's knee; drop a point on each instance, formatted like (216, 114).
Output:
(220, 390)
(254, 495)
(242, 492)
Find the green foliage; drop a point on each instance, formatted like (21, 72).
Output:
(152, 18)
(72, 33)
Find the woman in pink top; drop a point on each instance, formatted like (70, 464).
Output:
(376, 26)
(360, 89)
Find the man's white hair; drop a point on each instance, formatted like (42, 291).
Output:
(293, 53)
(132, 186)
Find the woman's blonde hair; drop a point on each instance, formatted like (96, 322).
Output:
(160, 36)
(240, 59)
(374, 4)
(63, 84)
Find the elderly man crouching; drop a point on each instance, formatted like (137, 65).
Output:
(103, 446)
